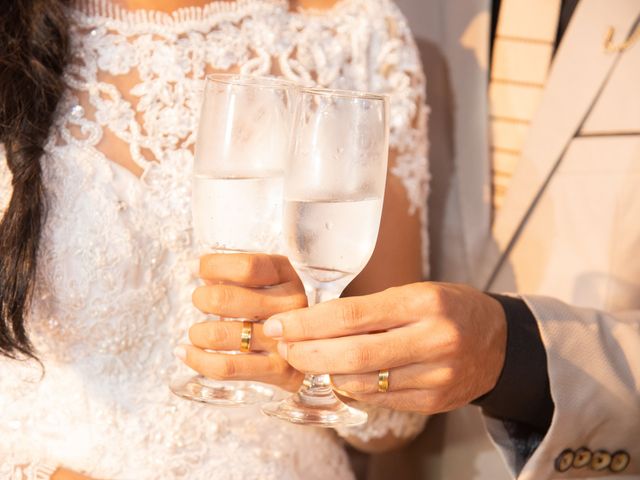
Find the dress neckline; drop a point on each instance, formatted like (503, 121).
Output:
(109, 10)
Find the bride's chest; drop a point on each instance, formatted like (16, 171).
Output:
(116, 257)
(117, 253)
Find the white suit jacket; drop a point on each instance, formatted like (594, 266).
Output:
(567, 239)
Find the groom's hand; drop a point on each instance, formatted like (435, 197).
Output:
(444, 345)
(243, 286)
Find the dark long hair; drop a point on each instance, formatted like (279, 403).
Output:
(34, 50)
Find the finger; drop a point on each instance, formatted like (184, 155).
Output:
(249, 269)
(425, 402)
(242, 302)
(222, 366)
(358, 353)
(409, 377)
(225, 335)
(345, 316)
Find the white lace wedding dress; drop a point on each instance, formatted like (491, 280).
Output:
(115, 271)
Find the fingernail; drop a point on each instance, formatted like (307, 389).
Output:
(272, 328)
(180, 352)
(282, 349)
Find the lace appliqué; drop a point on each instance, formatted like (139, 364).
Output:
(364, 45)
(32, 471)
(383, 421)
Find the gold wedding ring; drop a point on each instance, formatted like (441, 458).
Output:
(245, 337)
(383, 381)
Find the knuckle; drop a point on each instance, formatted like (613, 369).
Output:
(217, 333)
(453, 340)
(437, 297)
(219, 296)
(358, 358)
(447, 376)
(297, 329)
(408, 349)
(251, 266)
(350, 316)
(228, 368)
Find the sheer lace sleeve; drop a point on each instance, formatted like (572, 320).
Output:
(399, 72)
(383, 422)
(401, 75)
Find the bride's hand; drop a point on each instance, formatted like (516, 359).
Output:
(250, 286)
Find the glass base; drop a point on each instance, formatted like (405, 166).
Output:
(324, 410)
(228, 394)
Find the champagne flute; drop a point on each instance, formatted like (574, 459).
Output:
(243, 139)
(334, 188)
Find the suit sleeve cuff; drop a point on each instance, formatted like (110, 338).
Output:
(522, 394)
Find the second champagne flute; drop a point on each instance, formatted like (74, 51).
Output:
(243, 140)
(334, 188)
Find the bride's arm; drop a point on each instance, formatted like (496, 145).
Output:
(397, 258)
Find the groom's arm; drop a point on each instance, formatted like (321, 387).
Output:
(575, 403)
(525, 405)
(446, 345)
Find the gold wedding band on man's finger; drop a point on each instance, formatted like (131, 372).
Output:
(383, 381)
(245, 336)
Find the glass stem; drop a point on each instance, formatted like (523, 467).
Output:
(316, 389)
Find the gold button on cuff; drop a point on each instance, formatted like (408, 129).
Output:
(245, 337)
(383, 381)
(582, 457)
(600, 460)
(619, 461)
(564, 461)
